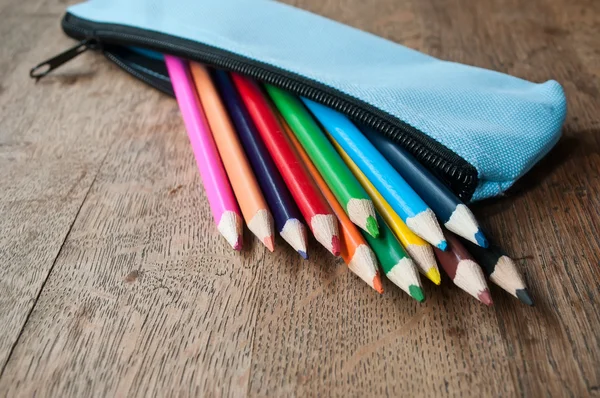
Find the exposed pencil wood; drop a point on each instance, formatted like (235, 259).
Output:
(146, 299)
(354, 250)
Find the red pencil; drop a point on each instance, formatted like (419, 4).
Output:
(315, 209)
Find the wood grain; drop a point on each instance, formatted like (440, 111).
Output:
(115, 283)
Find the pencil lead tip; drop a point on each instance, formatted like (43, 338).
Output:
(269, 241)
(485, 297)
(238, 244)
(335, 245)
(481, 239)
(417, 293)
(372, 227)
(434, 275)
(443, 245)
(303, 254)
(523, 295)
(377, 285)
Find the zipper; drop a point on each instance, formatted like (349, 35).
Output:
(43, 68)
(455, 171)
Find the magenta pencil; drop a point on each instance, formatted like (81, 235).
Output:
(223, 205)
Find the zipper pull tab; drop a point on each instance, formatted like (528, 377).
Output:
(43, 68)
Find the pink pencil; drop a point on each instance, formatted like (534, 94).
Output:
(223, 205)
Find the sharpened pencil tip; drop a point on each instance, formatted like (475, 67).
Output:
(269, 241)
(523, 295)
(335, 245)
(377, 285)
(238, 244)
(417, 293)
(481, 239)
(434, 275)
(485, 297)
(372, 227)
(443, 245)
(303, 254)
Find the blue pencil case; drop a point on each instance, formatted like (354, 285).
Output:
(477, 129)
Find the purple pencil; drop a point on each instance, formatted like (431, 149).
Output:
(285, 212)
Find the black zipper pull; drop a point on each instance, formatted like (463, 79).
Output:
(43, 68)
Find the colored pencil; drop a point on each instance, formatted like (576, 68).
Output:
(451, 211)
(287, 217)
(313, 206)
(343, 184)
(463, 270)
(420, 251)
(396, 264)
(355, 251)
(398, 193)
(245, 187)
(501, 270)
(220, 196)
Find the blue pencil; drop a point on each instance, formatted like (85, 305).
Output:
(396, 191)
(285, 212)
(451, 211)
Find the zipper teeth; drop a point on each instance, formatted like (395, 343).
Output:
(380, 122)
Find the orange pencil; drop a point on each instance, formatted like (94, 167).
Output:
(247, 191)
(354, 249)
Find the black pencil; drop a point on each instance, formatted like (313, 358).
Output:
(501, 270)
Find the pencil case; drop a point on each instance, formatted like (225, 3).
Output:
(477, 129)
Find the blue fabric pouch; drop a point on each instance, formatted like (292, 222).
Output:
(477, 129)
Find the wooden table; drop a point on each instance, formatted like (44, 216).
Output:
(114, 282)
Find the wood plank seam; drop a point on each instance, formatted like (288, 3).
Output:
(12, 348)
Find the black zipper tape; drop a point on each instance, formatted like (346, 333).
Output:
(451, 168)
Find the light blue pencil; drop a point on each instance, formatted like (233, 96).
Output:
(396, 191)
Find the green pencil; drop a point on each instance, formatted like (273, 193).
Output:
(347, 190)
(396, 264)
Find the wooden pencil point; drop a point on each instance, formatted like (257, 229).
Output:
(261, 225)
(377, 285)
(426, 226)
(417, 293)
(269, 242)
(362, 213)
(433, 274)
(372, 227)
(463, 223)
(507, 277)
(423, 257)
(294, 233)
(303, 254)
(404, 275)
(481, 240)
(325, 229)
(335, 245)
(523, 295)
(230, 226)
(364, 265)
(485, 297)
(501, 269)
(469, 277)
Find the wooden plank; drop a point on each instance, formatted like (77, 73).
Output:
(548, 223)
(145, 298)
(50, 151)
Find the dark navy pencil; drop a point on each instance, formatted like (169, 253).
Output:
(501, 270)
(286, 215)
(455, 215)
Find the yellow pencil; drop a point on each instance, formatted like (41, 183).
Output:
(420, 251)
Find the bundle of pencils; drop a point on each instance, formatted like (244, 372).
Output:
(278, 162)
